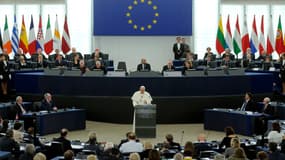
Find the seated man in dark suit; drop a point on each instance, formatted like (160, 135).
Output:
(41, 62)
(168, 67)
(66, 144)
(47, 103)
(19, 53)
(7, 143)
(249, 104)
(170, 144)
(18, 109)
(97, 53)
(60, 62)
(74, 53)
(228, 53)
(143, 66)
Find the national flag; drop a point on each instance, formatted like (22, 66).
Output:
(245, 37)
(56, 37)
(1, 42)
(270, 40)
(15, 36)
(7, 45)
(48, 40)
(254, 37)
(229, 34)
(32, 38)
(40, 36)
(279, 44)
(261, 45)
(220, 40)
(23, 37)
(237, 39)
(65, 43)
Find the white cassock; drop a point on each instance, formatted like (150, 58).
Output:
(139, 98)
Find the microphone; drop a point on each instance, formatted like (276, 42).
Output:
(182, 135)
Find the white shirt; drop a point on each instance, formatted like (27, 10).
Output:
(139, 98)
(131, 146)
(275, 137)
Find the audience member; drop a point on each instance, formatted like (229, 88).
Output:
(47, 103)
(7, 143)
(92, 144)
(178, 156)
(143, 66)
(60, 62)
(41, 62)
(91, 157)
(134, 156)
(22, 62)
(187, 66)
(189, 150)
(97, 54)
(239, 154)
(235, 143)
(228, 53)
(74, 53)
(178, 48)
(4, 125)
(68, 155)
(226, 62)
(274, 153)
(275, 135)
(185, 45)
(19, 54)
(249, 104)
(30, 137)
(170, 144)
(202, 138)
(5, 75)
(63, 139)
(261, 155)
(111, 154)
(99, 66)
(29, 153)
(209, 53)
(154, 155)
(147, 147)
(230, 133)
(168, 67)
(18, 109)
(76, 61)
(39, 156)
(18, 134)
(124, 140)
(131, 145)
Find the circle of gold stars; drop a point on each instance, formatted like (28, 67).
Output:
(131, 20)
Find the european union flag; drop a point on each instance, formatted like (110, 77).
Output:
(142, 17)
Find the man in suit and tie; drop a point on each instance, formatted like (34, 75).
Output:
(143, 66)
(168, 67)
(178, 48)
(47, 103)
(249, 104)
(18, 109)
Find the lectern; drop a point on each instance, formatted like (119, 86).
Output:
(145, 126)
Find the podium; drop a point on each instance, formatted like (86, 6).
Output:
(145, 121)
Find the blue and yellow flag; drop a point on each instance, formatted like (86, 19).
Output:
(142, 17)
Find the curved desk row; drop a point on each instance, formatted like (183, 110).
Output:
(178, 99)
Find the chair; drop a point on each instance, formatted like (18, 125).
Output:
(36, 106)
(122, 66)
(56, 149)
(87, 56)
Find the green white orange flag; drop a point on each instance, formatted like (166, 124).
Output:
(48, 46)
(6, 38)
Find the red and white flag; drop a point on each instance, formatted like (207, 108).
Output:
(65, 41)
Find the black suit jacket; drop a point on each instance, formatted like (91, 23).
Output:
(251, 106)
(66, 144)
(47, 106)
(165, 68)
(16, 109)
(146, 67)
(4, 70)
(10, 145)
(269, 110)
(178, 53)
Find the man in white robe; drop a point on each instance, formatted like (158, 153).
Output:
(140, 97)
